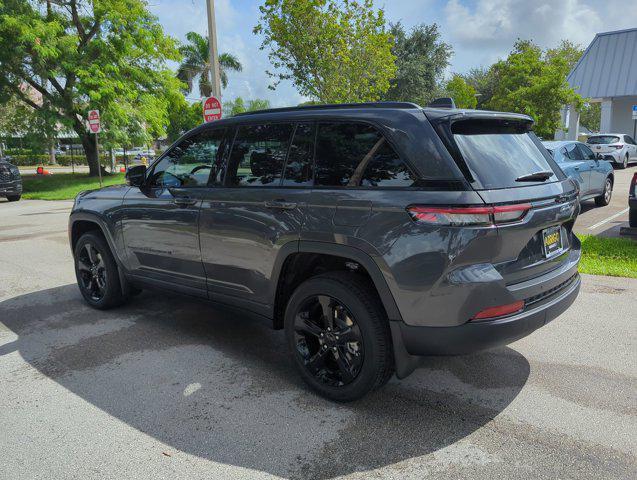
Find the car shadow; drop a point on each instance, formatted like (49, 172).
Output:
(216, 383)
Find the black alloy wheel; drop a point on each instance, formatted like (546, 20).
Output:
(96, 272)
(93, 275)
(328, 340)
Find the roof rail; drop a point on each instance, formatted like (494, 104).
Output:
(443, 102)
(335, 106)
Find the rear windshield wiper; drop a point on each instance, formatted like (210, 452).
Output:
(535, 177)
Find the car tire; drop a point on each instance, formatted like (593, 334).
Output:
(632, 217)
(97, 273)
(14, 198)
(357, 315)
(624, 164)
(604, 198)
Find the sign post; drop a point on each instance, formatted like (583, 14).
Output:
(634, 121)
(96, 127)
(211, 109)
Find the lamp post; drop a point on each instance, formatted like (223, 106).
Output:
(215, 78)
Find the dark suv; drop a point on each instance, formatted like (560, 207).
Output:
(372, 233)
(10, 180)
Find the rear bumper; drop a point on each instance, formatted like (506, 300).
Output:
(475, 336)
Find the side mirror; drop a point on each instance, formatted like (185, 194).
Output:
(599, 156)
(136, 175)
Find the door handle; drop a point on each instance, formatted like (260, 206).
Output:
(184, 201)
(280, 204)
(576, 168)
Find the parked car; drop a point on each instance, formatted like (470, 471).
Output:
(595, 177)
(632, 201)
(618, 148)
(10, 180)
(372, 234)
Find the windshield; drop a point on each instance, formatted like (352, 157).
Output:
(503, 158)
(602, 140)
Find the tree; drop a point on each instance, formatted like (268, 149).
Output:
(84, 54)
(568, 51)
(463, 94)
(534, 82)
(483, 80)
(421, 59)
(182, 117)
(196, 63)
(591, 116)
(238, 105)
(332, 50)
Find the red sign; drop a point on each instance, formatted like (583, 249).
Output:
(94, 121)
(211, 109)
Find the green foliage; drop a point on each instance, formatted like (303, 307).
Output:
(332, 50)
(34, 159)
(63, 186)
(85, 54)
(421, 59)
(616, 257)
(239, 105)
(463, 94)
(591, 116)
(533, 82)
(196, 63)
(484, 81)
(182, 117)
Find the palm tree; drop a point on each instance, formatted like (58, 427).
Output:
(197, 63)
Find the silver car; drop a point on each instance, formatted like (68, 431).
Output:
(617, 148)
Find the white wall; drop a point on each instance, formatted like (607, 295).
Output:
(621, 115)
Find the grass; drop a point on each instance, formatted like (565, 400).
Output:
(63, 186)
(616, 257)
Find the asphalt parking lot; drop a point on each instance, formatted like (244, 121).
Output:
(173, 388)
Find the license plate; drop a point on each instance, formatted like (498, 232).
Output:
(552, 241)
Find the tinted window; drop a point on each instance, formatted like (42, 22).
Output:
(586, 153)
(573, 152)
(386, 169)
(497, 156)
(630, 140)
(190, 162)
(298, 170)
(348, 153)
(258, 155)
(602, 140)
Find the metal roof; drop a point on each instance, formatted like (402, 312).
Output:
(608, 67)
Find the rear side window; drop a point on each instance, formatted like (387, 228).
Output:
(602, 140)
(585, 152)
(298, 170)
(357, 154)
(258, 155)
(501, 155)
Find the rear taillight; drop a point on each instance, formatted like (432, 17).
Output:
(459, 216)
(618, 147)
(499, 311)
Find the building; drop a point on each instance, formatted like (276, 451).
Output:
(606, 73)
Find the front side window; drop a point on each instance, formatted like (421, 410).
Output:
(189, 163)
(587, 153)
(356, 154)
(258, 155)
(629, 140)
(573, 152)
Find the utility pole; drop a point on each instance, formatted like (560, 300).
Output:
(215, 78)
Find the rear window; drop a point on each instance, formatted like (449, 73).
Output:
(602, 140)
(500, 156)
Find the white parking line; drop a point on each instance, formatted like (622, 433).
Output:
(612, 217)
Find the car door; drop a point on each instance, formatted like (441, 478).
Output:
(597, 172)
(256, 211)
(580, 167)
(632, 147)
(160, 219)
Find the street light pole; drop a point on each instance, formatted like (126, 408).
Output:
(215, 77)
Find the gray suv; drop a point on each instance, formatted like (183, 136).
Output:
(373, 234)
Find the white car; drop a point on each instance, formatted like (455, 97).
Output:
(617, 148)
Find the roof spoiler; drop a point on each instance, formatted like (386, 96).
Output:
(443, 102)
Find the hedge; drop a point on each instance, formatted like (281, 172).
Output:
(62, 160)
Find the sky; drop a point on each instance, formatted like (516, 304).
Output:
(480, 31)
